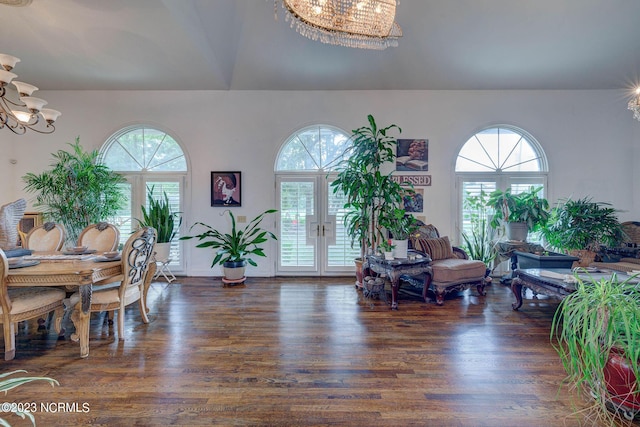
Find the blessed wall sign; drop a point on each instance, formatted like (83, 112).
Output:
(416, 180)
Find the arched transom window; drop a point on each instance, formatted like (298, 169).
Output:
(153, 162)
(314, 148)
(497, 157)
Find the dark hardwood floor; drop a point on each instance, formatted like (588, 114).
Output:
(303, 352)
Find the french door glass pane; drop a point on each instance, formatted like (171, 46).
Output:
(341, 254)
(473, 189)
(122, 220)
(296, 204)
(172, 188)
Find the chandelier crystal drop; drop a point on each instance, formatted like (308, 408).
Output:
(19, 110)
(366, 24)
(634, 105)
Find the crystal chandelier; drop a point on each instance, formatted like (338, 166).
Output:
(19, 110)
(634, 105)
(367, 24)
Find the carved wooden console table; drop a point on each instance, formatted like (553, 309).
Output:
(551, 281)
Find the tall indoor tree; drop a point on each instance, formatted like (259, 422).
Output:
(79, 190)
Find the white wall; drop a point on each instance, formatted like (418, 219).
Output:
(589, 137)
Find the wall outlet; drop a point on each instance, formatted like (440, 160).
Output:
(242, 219)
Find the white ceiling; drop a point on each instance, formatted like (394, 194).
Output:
(237, 45)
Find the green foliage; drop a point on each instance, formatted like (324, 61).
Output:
(583, 224)
(386, 246)
(7, 384)
(367, 189)
(599, 316)
(79, 190)
(480, 243)
(160, 217)
(237, 245)
(400, 224)
(522, 207)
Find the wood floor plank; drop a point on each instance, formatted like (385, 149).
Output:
(303, 352)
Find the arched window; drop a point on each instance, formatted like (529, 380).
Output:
(314, 148)
(498, 157)
(312, 239)
(151, 160)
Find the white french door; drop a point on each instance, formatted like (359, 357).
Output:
(312, 239)
(136, 188)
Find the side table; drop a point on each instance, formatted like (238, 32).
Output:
(506, 251)
(397, 267)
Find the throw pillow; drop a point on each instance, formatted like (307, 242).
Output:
(439, 248)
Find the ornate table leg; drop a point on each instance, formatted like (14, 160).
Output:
(394, 277)
(81, 318)
(516, 288)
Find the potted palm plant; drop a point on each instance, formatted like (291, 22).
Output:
(234, 249)
(159, 215)
(366, 187)
(596, 332)
(79, 190)
(580, 227)
(521, 213)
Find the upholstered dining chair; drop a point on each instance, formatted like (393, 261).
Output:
(17, 304)
(136, 256)
(10, 216)
(46, 237)
(103, 237)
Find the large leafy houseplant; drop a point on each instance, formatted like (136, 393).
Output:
(596, 332)
(367, 188)
(79, 190)
(238, 245)
(398, 223)
(527, 207)
(160, 216)
(583, 224)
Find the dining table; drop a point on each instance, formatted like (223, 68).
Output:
(82, 273)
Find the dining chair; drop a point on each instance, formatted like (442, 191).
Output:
(10, 216)
(46, 237)
(17, 304)
(102, 237)
(136, 256)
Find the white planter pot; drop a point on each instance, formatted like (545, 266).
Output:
(162, 251)
(517, 231)
(401, 248)
(234, 271)
(388, 255)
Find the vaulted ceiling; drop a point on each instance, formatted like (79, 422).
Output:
(238, 45)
